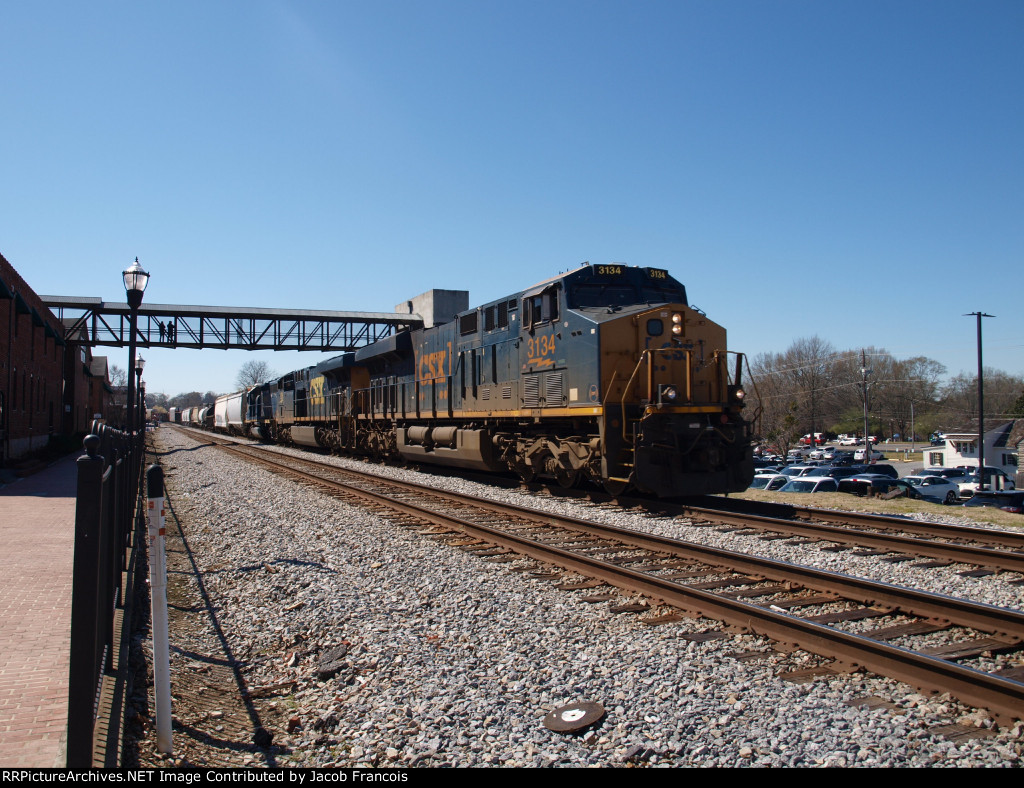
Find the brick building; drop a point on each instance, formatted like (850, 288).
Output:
(45, 383)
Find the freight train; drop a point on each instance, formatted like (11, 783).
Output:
(603, 375)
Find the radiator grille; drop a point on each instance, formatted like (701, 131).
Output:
(553, 389)
(531, 391)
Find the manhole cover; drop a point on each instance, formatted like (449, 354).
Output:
(574, 717)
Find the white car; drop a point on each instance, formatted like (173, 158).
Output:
(861, 455)
(995, 479)
(850, 441)
(935, 487)
(811, 484)
(768, 481)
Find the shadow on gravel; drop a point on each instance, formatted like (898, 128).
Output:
(169, 452)
(257, 734)
(272, 562)
(197, 657)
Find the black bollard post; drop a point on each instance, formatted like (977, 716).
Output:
(84, 671)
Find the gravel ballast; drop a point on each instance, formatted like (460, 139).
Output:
(362, 643)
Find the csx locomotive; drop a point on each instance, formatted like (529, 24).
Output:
(604, 374)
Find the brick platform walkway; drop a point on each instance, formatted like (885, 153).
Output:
(37, 530)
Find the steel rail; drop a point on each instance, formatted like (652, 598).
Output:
(1008, 538)
(1004, 698)
(990, 557)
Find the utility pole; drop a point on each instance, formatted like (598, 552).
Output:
(864, 372)
(981, 406)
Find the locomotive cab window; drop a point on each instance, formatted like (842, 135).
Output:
(540, 308)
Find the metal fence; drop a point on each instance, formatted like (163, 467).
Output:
(109, 531)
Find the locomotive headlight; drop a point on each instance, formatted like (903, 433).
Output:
(677, 329)
(667, 393)
(736, 393)
(677, 318)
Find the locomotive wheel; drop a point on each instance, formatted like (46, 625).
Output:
(567, 477)
(614, 486)
(526, 473)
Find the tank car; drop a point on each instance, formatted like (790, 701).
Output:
(604, 374)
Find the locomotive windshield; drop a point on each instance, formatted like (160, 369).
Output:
(617, 286)
(593, 295)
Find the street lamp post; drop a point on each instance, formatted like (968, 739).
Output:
(135, 281)
(139, 364)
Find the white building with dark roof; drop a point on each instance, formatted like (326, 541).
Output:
(1004, 442)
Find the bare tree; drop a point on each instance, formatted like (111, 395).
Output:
(778, 403)
(118, 377)
(254, 373)
(960, 396)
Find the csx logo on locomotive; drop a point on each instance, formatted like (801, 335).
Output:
(432, 365)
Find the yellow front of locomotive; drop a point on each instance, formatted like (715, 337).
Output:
(673, 401)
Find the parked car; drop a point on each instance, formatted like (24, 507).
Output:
(862, 455)
(877, 484)
(879, 469)
(1007, 500)
(833, 472)
(817, 454)
(793, 471)
(956, 475)
(850, 440)
(811, 484)
(769, 481)
(943, 490)
(995, 479)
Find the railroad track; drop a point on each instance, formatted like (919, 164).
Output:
(894, 539)
(935, 643)
(901, 539)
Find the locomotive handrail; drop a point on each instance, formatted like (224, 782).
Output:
(647, 354)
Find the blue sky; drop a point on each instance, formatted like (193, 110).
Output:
(851, 170)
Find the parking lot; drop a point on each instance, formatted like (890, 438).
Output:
(886, 470)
